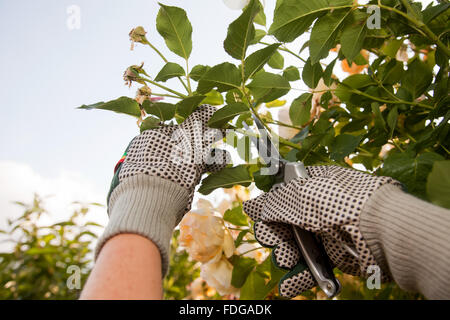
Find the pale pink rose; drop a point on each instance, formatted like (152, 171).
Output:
(204, 235)
(197, 289)
(238, 193)
(218, 275)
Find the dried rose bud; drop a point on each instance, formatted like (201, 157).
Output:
(137, 35)
(143, 94)
(132, 74)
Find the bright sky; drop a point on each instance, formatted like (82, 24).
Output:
(49, 147)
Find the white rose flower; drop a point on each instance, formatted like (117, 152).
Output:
(218, 275)
(204, 235)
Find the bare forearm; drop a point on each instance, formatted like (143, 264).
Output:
(128, 267)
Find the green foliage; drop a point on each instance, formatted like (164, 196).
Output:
(438, 184)
(174, 26)
(242, 31)
(226, 178)
(170, 70)
(121, 105)
(225, 114)
(37, 266)
(236, 216)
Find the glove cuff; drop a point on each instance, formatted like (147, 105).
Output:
(149, 206)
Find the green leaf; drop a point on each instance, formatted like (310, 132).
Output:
(293, 17)
(173, 25)
(213, 98)
(410, 169)
(198, 71)
(311, 73)
(121, 105)
(324, 34)
(392, 120)
(438, 184)
(227, 113)
(261, 18)
(276, 61)
(261, 282)
(353, 35)
(259, 34)
(391, 47)
(343, 145)
(149, 123)
(267, 87)
(417, 78)
(291, 73)
(224, 77)
(188, 105)
(328, 73)
(255, 287)
(236, 216)
(254, 62)
(379, 120)
(163, 110)
(242, 266)
(391, 72)
(226, 178)
(240, 237)
(263, 182)
(356, 81)
(241, 31)
(170, 70)
(432, 12)
(299, 112)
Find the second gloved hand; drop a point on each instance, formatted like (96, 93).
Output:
(329, 203)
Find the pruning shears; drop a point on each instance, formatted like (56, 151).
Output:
(312, 250)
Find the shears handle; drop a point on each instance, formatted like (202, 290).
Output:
(312, 250)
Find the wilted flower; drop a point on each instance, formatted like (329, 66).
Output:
(132, 74)
(385, 150)
(143, 94)
(204, 234)
(321, 88)
(137, 35)
(402, 53)
(218, 275)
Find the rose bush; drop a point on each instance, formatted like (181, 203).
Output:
(369, 90)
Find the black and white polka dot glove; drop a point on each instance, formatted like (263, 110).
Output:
(328, 203)
(154, 183)
(179, 153)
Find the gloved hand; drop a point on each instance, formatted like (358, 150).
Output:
(328, 203)
(154, 182)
